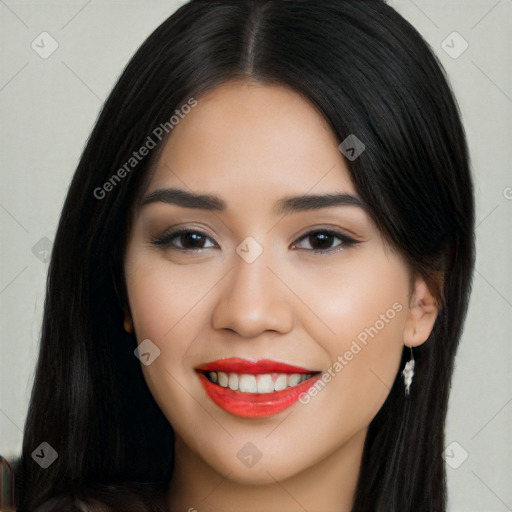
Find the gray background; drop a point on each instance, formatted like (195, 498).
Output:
(48, 108)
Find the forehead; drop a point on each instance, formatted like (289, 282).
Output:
(245, 138)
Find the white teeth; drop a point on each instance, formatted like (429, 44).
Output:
(293, 379)
(265, 383)
(248, 383)
(233, 381)
(223, 379)
(261, 383)
(281, 382)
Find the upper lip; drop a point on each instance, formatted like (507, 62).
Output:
(238, 365)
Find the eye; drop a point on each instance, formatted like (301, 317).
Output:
(184, 240)
(321, 241)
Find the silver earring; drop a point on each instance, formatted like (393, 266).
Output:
(408, 373)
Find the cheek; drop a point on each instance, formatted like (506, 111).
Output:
(161, 304)
(363, 312)
(162, 297)
(169, 306)
(346, 299)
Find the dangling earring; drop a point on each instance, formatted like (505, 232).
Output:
(408, 373)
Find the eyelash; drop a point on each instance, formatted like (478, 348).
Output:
(346, 241)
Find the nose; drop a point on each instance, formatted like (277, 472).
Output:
(253, 300)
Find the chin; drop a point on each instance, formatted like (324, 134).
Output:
(262, 473)
(258, 460)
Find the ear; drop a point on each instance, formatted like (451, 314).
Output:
(128, 322)
(423, 310)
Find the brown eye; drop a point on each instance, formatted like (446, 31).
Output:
(322, 241)
(184, 240)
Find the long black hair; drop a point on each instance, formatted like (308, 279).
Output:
(371, 74)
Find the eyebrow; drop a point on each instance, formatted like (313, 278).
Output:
(283, 206)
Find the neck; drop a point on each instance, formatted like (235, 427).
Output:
(328, 486)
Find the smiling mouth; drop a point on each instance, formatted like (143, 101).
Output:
(259, 383)
(254, 389)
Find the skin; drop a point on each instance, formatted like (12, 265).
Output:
(251, 145)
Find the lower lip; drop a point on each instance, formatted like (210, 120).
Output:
(255, 405)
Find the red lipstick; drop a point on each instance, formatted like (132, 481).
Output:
(237, 365)
(254, 405)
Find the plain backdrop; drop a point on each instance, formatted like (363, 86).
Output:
(49, 106)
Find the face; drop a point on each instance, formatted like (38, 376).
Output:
(298, 305)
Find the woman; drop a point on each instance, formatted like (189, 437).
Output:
(260, 274)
